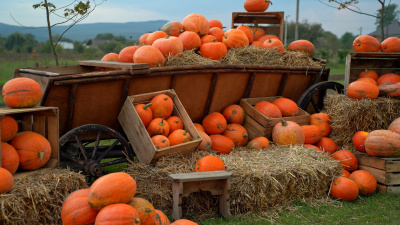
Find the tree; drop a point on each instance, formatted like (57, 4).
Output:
(347, 40)
(391, 16)
(71, 13)
(352, 6)
(14, 41)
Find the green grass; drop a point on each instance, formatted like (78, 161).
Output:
(336, 68)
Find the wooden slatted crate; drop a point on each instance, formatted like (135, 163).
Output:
(271, 22)
(43, 120)
(385, 170)
(258, 125)
(137, 134)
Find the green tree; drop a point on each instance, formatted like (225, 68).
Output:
(104, 36)
(14, 41)
(78, 47)
(347, 40)
(392, 15)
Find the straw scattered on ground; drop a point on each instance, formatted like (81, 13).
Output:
(351, 115)
(37, 198)
(262, 180)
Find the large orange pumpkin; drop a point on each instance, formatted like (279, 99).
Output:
(215, 23)
(327, 145)
(169, 46)
(214, 123)
(237, 133)
(391, 44)
(76, 209)
(209, 163)
(287, 106)
(6, 181)
(173, 28)
(154, 36)
(9, 128)
(256, 5)
(383, 143)
(126, 54)
(190, 40)
(213, 50)
(287, 133)
(205, 143)
(258, 143)
(347, 159)
(390, 89)
(9, 157)
(367, 79)
(162, 106)
(118, 214)
(395, 125)
(248, 31)
(221, 144)
(366, 43)
(234, 114)
(303, 46)
(112, 188)
(361, 89)
(183, 222)
(145, 209)
(33, 150)
(149, 54)
(161, 218)
(274, 44)
(145, 113)
(388, 78)
(197, 23)
(344, 188)
(235, 38)
(312, 134)
(365, 181)
(267, 37)
(22, 92)
(268, 109)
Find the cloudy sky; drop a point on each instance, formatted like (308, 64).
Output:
(333, 20)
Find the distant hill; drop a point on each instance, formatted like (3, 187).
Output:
(83, 32)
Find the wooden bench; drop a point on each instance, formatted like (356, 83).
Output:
(216, 182)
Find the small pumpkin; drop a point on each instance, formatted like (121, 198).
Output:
(390, 44)
(144, 112)
(209, 163)
(118, 214)
(366, 43)
(221, 144)
(76, 209)
(360, 90)
(256, 5)
(390, 89)
(369, 73)
(149, 54)
(287, 133)
(235, 38)
(268, 109)
(126, 54)
(190, 40)
(359, 140)
(7, 181)
(169, 46)
(183, 222)
(344, 188)
(258, 44)
(118, 187)
(365, 181)
(234, 114)
(214, 123)
(323, 121)
(199, 127)
(367, 79)
(207, 39)
(160, 141)
(179, 136)
(303, 46)
(312, 147)
(347, 159)
(205, 143)
(237, 133)
(154, 36)
(274, 44)
(162, 106)
(9, 157)
(395, 126)
(287, 106)
(345, 173)
(172, 28)
(383, 143)
(267, 37)
(258, 143)
(388, 78)
(174, 123)
(215, 23)
(9, 128)
(142, 38)
(217, 32)
(197, 23)
(327, 145)
(161, 218)
(312, 134)
(22, 92)
(213, 50)
(158, 126)
(145, 210)
(258, 33)
(248, 31)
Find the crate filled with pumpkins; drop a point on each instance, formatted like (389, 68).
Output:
(26, 143)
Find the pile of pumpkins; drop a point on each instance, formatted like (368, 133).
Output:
(23, 150)
(111, 200)
(205, 37)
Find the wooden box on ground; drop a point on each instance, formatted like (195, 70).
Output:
(140, 139)
(258, 125)
(385, 170)
(271, 22)
(43, 120)
(381, 62)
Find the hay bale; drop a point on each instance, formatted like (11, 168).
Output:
(37, 198)
(261, 179)
(352, 115)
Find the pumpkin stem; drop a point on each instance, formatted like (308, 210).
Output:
(137, 220)
(41, 155)
(284, 123)
(147, 105)
(245, 135)
(161, 123)
(165, 98)
(219, 127)
(163, 141)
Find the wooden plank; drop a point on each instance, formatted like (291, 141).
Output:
(98, 63)
(388, 189)
(382, 176)
(387, 164)
(200, 176)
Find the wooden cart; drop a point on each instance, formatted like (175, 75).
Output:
(89, 100)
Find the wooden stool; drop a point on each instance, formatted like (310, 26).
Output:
(216, 182)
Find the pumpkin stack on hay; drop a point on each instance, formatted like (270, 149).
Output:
(352, 115)
(262, 179)
(37, 198)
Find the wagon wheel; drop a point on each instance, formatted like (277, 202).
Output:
(316, 93)
(92, 156)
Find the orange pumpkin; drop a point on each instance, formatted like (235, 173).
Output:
(7, 181)
(366, 43)
(234, 114)
(268, 109)
(172, 28)
(359, 140)
(323, 117)
(327, 145)
(347, 159)
(286, 106)
(214, 123)
(145, 210)
(267, 37)
(174, 123)
(169, 45)
(256, 5)
(365, 181)
(126, 54)
(235, 38)
(217, 32)
(145, 113)
(9, 157)
(258, 44)
(344, 188)
(367, 79)
(345, 173)
(161, 218)
(199, 127)
(237, 133)
(258, 143)
(33, 150)
(111, 57)
(22, 92)
(391, 44)
(162, 106)
(312, 134)
(287, 133)
(8, 128)
(118, 187)
(118, 214)
(197, 23)
(183, 222)
(190, 40)
(213, 50)
(303, 46)
(215, 23)
(160, 141)
(258, 33)
(76, 209)
(369, 73)
(360, 90)
(323, 121)
(395, 126)
(390, 89)
(388, 78)
(154, 36)
(209, 163)
(207, 39)
(158, 126)
(149, 54)
(205, 143)
(179, 136)
(274, 44)
(221, 144)
(248, 31)
(143, 38)
(312, 147)
(384, 143)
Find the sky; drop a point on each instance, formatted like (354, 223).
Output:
(332, 19)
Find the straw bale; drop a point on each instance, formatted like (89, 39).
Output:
(189, 58)
(37, 197)
(261, 180)
(352, 115)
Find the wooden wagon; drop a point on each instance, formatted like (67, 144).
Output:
(89, 100)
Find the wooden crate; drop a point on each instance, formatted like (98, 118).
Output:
(258, 125)
(271, 22)
(381, 62)
(43, 120)
(140, 139)
(385, 170)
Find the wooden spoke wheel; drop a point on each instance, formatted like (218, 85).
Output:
(94, 156)
(313, 98)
